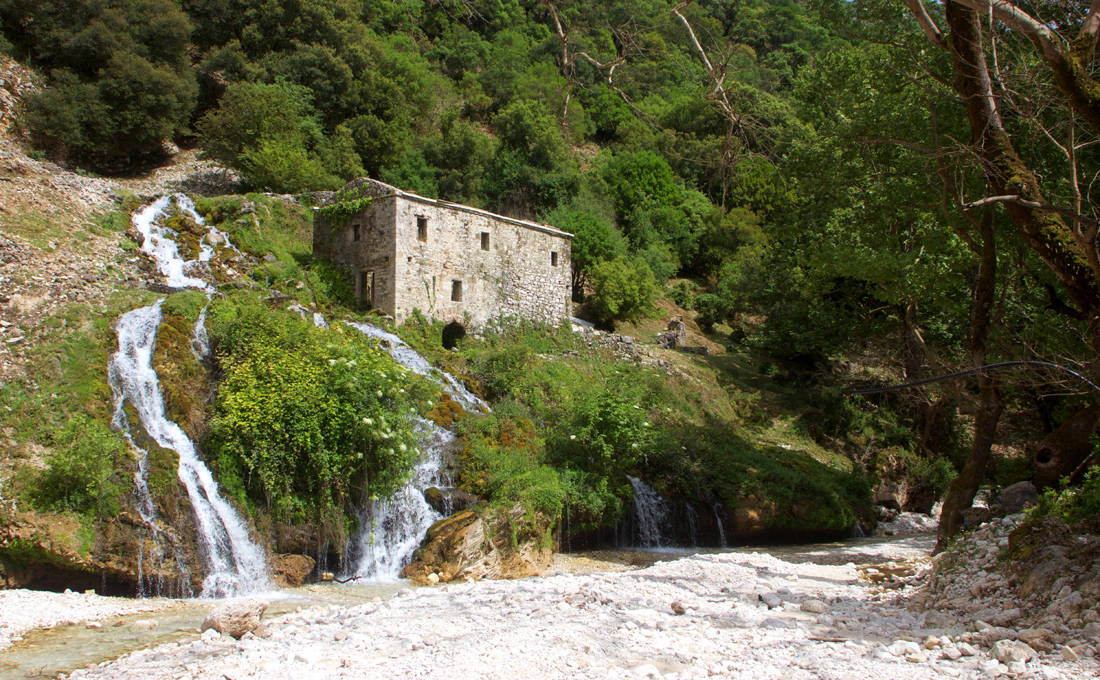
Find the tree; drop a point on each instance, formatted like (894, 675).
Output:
(1063, 236)
(622, 290)
(594, 241)
(269, 134)
(120, 83)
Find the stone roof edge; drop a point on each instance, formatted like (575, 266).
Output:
(478, 211)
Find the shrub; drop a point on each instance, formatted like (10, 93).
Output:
(82, 471)
(623, 290)
(313, 421)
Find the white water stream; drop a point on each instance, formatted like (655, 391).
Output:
(394, 527)
(415, 362)
(235, 565)
(650, 515)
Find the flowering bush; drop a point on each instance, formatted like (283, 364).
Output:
(308, 421)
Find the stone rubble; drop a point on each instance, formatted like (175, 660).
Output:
(705, 615)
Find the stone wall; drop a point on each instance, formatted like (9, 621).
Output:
(451, 262)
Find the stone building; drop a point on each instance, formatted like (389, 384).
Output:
(452, 262)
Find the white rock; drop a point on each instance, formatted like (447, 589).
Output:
(814, 606)
(1007, 651)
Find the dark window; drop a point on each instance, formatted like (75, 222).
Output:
(456, 291)
(421, 228)
(355, 232)
(553, 258)
(484, 240)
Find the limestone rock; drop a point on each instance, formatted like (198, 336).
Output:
(235, 617)
(291, 570)
(472, 545)
(814, 606)
(1009, 651)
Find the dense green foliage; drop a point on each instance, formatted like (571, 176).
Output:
(82, 470)
(120, 79)
(307, 423)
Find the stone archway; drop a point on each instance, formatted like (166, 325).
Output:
(452, 333)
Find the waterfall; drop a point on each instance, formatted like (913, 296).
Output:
(721, 529)
(650, 515)
(200, 341)
(159, 242)
(415, 362)
(392, 528)
(235, 564)
(692, 522)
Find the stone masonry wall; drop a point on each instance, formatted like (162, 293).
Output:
(516, 277)
(522, 271)
(372, 252)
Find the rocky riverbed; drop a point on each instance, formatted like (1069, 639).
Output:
(25, 610)
(867, 610)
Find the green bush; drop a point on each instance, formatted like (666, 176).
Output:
(1073, 504)
(83, 470)
(308, 421)
(623, 290)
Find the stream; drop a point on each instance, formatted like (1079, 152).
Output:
(48, 652)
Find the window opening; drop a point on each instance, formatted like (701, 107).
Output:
(484, 240)
(553, 258)
(421, 228)
(456, 291)
(355, 232)
(366, 288)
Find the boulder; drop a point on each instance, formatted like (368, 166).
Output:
(1018, 496)
(449, 500)
(235, 617)
(1009, 651)
(291, 570)
(485, 543)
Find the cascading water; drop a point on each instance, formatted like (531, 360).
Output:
(415, 362)
(235, 565)
(692, 522)
(393, 527)
(721, 528)
(650, 515)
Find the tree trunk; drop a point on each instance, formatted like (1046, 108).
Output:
(1007, 173)
(960, 495)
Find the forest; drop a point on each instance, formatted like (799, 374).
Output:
(821, 183)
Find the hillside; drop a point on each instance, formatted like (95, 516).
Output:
(786, 177)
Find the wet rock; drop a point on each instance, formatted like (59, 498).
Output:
(291, 570)
(235, 618)
(449, 501)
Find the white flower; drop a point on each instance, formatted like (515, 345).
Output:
(572, 436)
(368, 421)
(403, 448)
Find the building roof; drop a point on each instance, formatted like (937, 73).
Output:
(376, 189)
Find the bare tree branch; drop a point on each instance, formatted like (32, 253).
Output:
(926, 23)
(717, 76)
